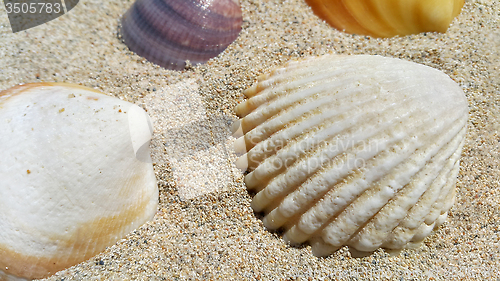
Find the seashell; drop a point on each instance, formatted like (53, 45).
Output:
(387, 18)
(359, 151)
(169, 32)
(76, 176)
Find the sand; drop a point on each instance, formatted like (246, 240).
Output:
(205, 228)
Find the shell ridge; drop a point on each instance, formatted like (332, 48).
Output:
(267, 94)
(440, 207)
(158, 23)
(285, 117)
(305, 73)
(439, 204)
(337, 14)
(330, 176)
(265, 169)
(268, 120)
(361, 182)
(392, 15)
(371, 236)
(292, 94)
(307, 69)
(169, 32)
(310, 123)
(309, 215)
(145, 46)
(329, 133)
(223, 8)
(406, 229)
(376, 200)
(277, 105)
(288, 155)
(204, 18)
(368, 16)
(325, 132)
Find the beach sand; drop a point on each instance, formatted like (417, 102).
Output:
(205, 228)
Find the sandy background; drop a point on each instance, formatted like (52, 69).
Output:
(205, 228)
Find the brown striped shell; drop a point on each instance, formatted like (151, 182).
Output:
(169, 32)
(361, 151)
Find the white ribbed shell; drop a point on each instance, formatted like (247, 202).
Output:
(353, 150)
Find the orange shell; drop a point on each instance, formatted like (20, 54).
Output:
(387, 18)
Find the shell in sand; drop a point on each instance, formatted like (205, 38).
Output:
(76, 176)
(169, 32)
(387, 18)
(353, 150)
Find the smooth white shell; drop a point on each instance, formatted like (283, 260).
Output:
(76, 175)
(353, 150)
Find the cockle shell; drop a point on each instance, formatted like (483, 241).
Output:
(387, 18)
(360, 151)
(169, 32)
(75, 176)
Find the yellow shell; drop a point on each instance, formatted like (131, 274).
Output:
(387, 18)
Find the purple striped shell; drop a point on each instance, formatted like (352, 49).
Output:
(169, 32)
